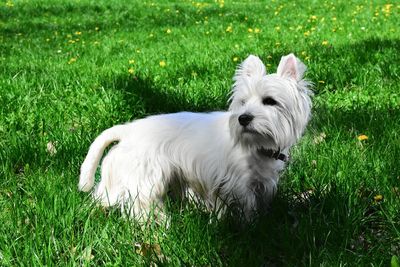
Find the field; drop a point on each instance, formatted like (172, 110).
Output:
(70, 69)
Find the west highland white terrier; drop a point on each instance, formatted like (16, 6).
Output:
(221, 158)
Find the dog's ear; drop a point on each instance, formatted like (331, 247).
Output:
(251, 67)
(291, 67)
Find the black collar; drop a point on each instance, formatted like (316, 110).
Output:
(275, 154)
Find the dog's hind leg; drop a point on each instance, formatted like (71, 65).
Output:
(138, 184)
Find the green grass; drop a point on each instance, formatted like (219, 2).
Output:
(64, 77)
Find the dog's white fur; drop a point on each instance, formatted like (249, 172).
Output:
(211, 155)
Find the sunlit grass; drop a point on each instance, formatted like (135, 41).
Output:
(68, 70)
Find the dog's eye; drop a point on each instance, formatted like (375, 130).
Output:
(269, 101)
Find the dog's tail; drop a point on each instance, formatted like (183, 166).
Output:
(89, 165)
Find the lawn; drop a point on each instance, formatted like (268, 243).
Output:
(70, 69)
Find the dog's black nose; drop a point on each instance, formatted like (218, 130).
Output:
(245, 119)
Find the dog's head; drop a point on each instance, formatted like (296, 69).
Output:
(269, 110)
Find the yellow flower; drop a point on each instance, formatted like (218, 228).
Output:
(78, 33)
(362, 137)
(313, 17)
(321, 82)
(131, 70)
(131, 61)
(307, 33)
(229, 29)
(257, 30)
(72, 60)
(250, 30)
(9, 3)
(378, 198)
(162, 63)
(168, 31)
(325, 42)
(277, 28)
(235, 59)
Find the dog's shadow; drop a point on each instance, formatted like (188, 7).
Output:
(141, 97)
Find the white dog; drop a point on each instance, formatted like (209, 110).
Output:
(220, 158)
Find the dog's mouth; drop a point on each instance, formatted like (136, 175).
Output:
(247, 130)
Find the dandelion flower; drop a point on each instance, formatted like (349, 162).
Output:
(72, 60)
(378, 198)
(250, 30)
(168, 31)
(229, 29)
(257, 30)
(78, 33)
(362, 137)
(325, 42)
(131, 70)
(162, 63)
(277, 28)
(9, 4)
(131, 61)
(235, 59)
